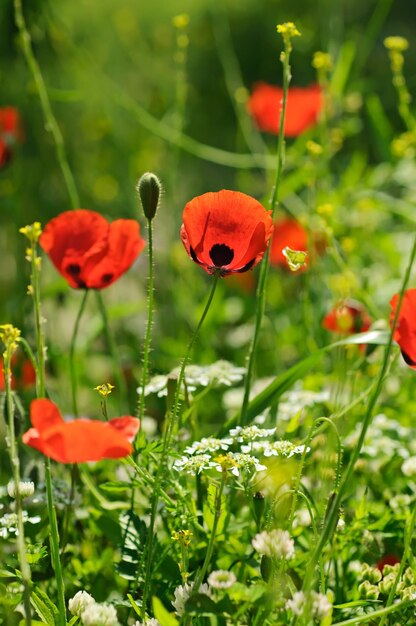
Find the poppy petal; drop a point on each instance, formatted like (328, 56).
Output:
(405, 331)
(287, 232)
(128, 426)
(44, 415)
(32, 438)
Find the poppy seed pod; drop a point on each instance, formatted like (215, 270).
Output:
(149, 188)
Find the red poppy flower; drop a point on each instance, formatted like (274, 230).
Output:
(347, 318)
(304, 105)
(287, 232)
(226, 231)
(82, 439)
(10, 132)
(405, 331)
(23, 373)
(88, 251)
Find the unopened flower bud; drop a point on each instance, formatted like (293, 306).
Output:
(149, 188)
(258, 506)
(371, 574)
(368, 591)
(386, 584)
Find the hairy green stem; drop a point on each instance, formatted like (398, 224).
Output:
(72, 366)
(264, 267)
(332, 514)
(148, 335)
(51, 123)
(172, 418)
(15, 463)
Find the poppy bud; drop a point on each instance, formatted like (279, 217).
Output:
(258, 506)
(149, 188)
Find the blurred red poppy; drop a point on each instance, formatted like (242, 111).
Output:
(82, 439)
(389, 559)
(304, 105)
(347, 318)
(23, 373)
(226, 231)
(405, 331)
(287, 232)
(10, 133)
(88, 251)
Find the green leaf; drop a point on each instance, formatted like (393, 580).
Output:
(72, 621)
(5, 573)
(134, 604)
(201, 604)
(162, 615)
(44, 607)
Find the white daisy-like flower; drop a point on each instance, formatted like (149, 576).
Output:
(208, 444)
(193, 464)
(99, 615)
(183, 592)
(276, 543)
(80, 602)
(250, 433)
(221, 579)
(26, 488)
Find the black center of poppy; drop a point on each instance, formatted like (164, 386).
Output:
(106, 278)
(221, 254)
(73, 269)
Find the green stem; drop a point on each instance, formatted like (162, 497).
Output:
(72, 367)
(118, 374)
(51, 123)
(406, 551)
(264, 267)
(54, 535)
(15, 463)
(149, 322)
(332, 515)
(170, 425)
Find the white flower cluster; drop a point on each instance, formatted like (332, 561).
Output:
(182, 594)
(282, 448)
(26, 488)
(319, 604)
(194, 465)
(91, 612)
(217, 374)
(275, 544)
(250, 433)
(236, 461)
(209, 444)
(8, 523)
(221, 579)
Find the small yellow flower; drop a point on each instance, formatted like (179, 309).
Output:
(295, 258)
(322, 61)
(32, 232)
(182, 536)
(396, 44)
(104, 390)
(9, 335)
(314, 149)
(326, 210)
(288, 30)
(181, 20)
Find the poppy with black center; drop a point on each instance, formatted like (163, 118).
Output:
(88, 251)
(304, 105)
(80, 440)
(405, 331)
(226, 231)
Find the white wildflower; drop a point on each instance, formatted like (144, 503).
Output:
(409, 466)
(26, 488)
(221, 579)
(303, 518)
(148, 622)
(283, 448)
(340, 525)
(276, 543)
(208, 444)
(250, 433)
(236, 461)
(321, 606)
(80, 602)
(193, 464)
(182, 594)
(297, 603)
(99, 615)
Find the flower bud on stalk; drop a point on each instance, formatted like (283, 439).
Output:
(149, 188)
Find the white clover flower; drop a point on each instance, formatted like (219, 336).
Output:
(276, 543)
(321, 606)
(250, 433)
(221, 579)
(26, 488)
(99, 615)
(409, 466)
(183, 592)
(297, 603)
(147, 622)
(208, 444)
(80, 602)
(193, 464)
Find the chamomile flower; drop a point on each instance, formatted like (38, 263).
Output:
(221, 579)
